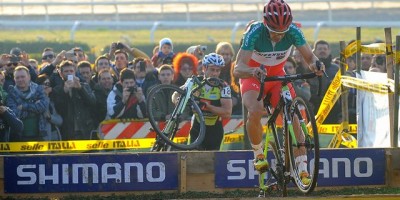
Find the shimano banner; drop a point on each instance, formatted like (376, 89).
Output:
(91, 173)
(338, 167)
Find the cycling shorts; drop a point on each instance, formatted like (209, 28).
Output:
(273, 87)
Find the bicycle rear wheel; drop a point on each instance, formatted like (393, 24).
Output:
(171, 123)
(304, 146)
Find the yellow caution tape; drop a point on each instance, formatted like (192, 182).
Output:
(233, 138)
(330, 98)
(330, 129)
(81, 145)
(362, 84)
(397, 57)
(375, 48)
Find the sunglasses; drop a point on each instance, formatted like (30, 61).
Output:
(277, 32)
(10, 64)
(45, 57)
(47, 84)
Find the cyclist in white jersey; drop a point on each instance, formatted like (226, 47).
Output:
(269, 43)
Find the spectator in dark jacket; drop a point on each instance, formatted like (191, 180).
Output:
(73, 100)
(101, 91)
(29, 103)
(10, 126)
(126, 100)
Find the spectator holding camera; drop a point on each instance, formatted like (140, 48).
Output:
(73, 99)
(165, 53)
(53, 72)
(134, 52)
(145, 74)
(14, 59)
(121, 52)
(126, 100)
(198, 51)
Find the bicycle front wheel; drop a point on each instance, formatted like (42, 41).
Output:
(303, 146)
(169, 115)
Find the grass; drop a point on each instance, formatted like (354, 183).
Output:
(98, 39)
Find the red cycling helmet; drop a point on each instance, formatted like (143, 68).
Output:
(277, 16)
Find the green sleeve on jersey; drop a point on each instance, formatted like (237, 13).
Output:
(298, 36)
(251, 35)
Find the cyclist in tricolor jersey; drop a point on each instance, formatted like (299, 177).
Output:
(269, 43)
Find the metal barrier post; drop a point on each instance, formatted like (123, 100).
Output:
(396, 93)
(358, 54)
(389, 68)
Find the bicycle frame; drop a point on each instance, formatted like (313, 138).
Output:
(281, 149)
(188, 91)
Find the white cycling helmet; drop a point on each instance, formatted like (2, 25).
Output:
(213, 59)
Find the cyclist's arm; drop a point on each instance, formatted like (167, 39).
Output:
(224, 111)
(242, 70)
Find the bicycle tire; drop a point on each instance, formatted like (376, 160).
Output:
(165, 92)
(278, 172)
(309, 146)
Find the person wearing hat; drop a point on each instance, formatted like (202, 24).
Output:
(165, 53)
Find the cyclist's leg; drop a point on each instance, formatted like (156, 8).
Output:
(300, 153)
(250, 91)
(214, 135)
(194, 133)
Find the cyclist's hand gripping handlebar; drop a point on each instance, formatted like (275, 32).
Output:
(318, 65)
(262, 81)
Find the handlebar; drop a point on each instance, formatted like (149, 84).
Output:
(289, 78)
(211, 81)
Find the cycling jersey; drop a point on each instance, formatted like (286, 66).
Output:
(266, 52)
(212, 95)
(271, 54)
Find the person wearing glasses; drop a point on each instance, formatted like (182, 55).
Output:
(48, 56)
(269, 42)
(51, 115)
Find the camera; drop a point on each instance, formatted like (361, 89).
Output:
(70, 54)
(142, 66)
(203, 48)
(119, 45)
(132, 89)
(14, 59)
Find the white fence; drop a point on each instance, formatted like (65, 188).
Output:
(89, 6)
(158, 7)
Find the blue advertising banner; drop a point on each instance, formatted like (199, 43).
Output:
(90, 173)
(338, 167)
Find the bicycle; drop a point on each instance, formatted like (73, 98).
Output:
(184, 107)
(294, 143)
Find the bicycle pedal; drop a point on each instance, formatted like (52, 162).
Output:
(261, 194)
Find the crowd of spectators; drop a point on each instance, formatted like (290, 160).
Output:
(65, 96)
